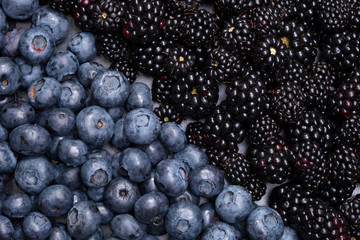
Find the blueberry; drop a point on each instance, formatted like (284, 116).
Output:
(264, 223)
(55, 200)
(36, 226)
(30, 140)
(289, 234)
(125, 226)
(149, 184)
(87, 72)
(62, 64)
(59, 232)
(73, 95)
(186, 196)
(150, 237)
(5, 99)
(151, 207)
(171, 177)
(68, 176)
(17, 205)
(139, 97)
(10, 76)
(20, 9)
(4, 26)
(12, 38)
(72, 152)
(209, 214)
(220, 230)
(193, 156)
(157, 228)
(82, 44)
(116, 113)
(233, 203)
(155, 151)
(4, 134)
(119, 139)
(7, 159)
(79, 196)
(29, 72)
(97, 235)
(99, 153)
(141, 126)
(83, 219)
(110, 88)
(121, 195)
(115, 165)
(6, 228)
(44, 93)
(55, 140)
(17, 113)
(183, 221)
(36, 45)
(94, 126)
(172, 136)
(134, 164)
(95, 194)
(105, 213)
(34, 174)
(60, 121)
(19, 233)
(96, 172)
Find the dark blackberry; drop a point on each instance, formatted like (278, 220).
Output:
(82, 15)
(175, 22)
(161, 89)
(342, 50)
(183, 6)
(107, 15)
(333, 15)
(355, 16)
(272, 161)
(112, 46)
(195, 134)
(288, 9)
(168, 113)
(143, 20)
(265, 18)
(307, 13)
(66, 6)
(350, 209)
(349, 132)
(195, 95)
(294, 72)
(287, 102)
(126, 68)
(262, 130)
(179, 61)
(312, 126)
(257, 187)
(246, 96)
(230, 8)
(318, 220)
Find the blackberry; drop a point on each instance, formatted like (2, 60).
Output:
(288, 9)
(333, 15)
(257, 187)
(271, 162)
(312, 126)
(350, 209)
(262, 130)
(167, 112)
(66, 6)
(195, 95)
(112, 46)
(161, 89)
(143, 20)
(230, 8)
(307, 13)
(175, 22)
(195, 134)
(349, 132)
(107, 15)
(126, 68)
(287, 102)
(179, 61)
(82, 15)
(355, 16)
(265, 18)
(294, 72)
(183, 6)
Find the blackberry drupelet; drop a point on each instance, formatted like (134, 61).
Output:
(168, 113)
(195, 95)
(195, 134)
(82, 15)
(333, 15)
(294, 72)
(161, 89)
(66, 6)
(350, 209)
(107, 15)
(262, 130)
(230, 8)
(112, 46)
(125, 67)
(307, 13)
(265, 19)
(355, 16)
(179, 61)
(288, 9)
(349, 132)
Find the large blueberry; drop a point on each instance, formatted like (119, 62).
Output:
(17, 113)
(20, 9)
(60, 121)
(96, 172)
(193, 156)
(30, 72)
(183, 221)
(12, 38)
(55, 200)
(7, 159)
(44, 93)
(151, 207)
(155, 151)
(208, 213)
(54, 22)
(30, 140)
(139, 97)
(172, 136)
(125, 226)
(6, 228)
(73, 95)
(59, 232)
(110, 88)
(36, 45)
(171, 177)
(233, 203)
(62, 64)
(68, 176)
(221, 231)
(34, 174)
(82, 45)
(99, 153)
(94, 126)
(264, 223)
(83, 219)
(17, 205)
(10, 76)
(36, 226)
(119, 139)
(141, 126)
(87, 72)
(72, 152)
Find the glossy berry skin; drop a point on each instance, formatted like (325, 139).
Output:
(67, 176)
(186, 196)
(95, 126)
(59, 232)
(155, 151)
(264, 223)
(36, 226)
(36, 45)
(55, 200)
(289, 234)
(17, 205)
(125, 226)
(29, 72)
(96, 172)
(72, 152)
(82, 45)
(7, 159)
(95, 194)
(10, 76)
(209, 214)
(183, 221)
(233, 203)
(139, 97)
(34, 174)
(221, 230)
(17, 113)
(61, 64)
(105, 213)
(171, 177)
(83, 219)
(6, 228)
(151, 207)
(20, 10)
(149, 184)
(60, 121)
(172, 136)
(134, 164)
(119, 139)
(141, 126)
(44, 93)
(30, 140)
(121, 195)
(110, 88)
(12, 38)
(87, 72)
(116, 113)
(73, 95)
(193, 156)
(79, 196)
(5, 99)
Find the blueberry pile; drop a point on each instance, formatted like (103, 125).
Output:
(269, 91)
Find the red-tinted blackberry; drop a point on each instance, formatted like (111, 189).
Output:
(168, 113)
(265, 18)
(112, 46)
(333, 15)
(195, 134)
(161, 89)
(179, 61)
(262, 130)
(125, 67)
(294, 72)
(82, 15)
(350, 209)
(195, 95)
(66, 6)
(287, 102)
(349, 132)
(143, 20)
(272, 161)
